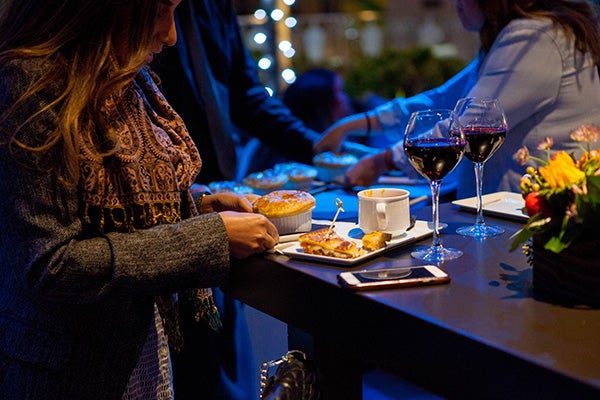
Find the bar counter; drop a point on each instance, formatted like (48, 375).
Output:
(487, 334)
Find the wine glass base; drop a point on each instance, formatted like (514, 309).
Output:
(436, 254)
(480, 231)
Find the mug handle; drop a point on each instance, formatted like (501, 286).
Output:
(382, 222)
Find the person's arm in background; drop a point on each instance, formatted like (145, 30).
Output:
(394, 114)
(511, 73)
(256, 112)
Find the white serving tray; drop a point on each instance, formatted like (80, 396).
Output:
(351, 231)
(501, 204)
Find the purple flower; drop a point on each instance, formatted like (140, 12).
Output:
(546, 144)
(585, 133)
(522, 155)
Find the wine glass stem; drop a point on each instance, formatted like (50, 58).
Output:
(435, 202)
(479, 184)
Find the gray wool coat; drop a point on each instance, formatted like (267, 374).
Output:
(75, 308)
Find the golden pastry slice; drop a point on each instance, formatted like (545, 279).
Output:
(330, 244)
(375, 240)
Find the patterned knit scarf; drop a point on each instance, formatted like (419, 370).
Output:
(146, 181)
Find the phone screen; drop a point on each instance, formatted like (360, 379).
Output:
(393, 274)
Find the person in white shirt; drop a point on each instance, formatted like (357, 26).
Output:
(538, 58)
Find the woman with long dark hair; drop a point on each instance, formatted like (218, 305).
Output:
(99, 225)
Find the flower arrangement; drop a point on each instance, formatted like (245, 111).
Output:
(562, 197)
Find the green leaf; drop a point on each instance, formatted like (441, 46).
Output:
(556, 245)
(588, 205)
(593, 187)
(535, 224)
(570, 231)
(519, 238)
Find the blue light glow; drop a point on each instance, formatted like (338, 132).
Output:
(288, 75)
(277, 14)
(264, 63)
(260, 38)
(291, 22)
(285, 45)
(260, 14)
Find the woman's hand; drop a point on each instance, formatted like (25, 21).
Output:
(366, 171)
(227, 202)
(332, 138)
(249, 233)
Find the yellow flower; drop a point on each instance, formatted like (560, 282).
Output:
(561, 171)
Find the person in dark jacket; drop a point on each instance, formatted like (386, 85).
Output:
(212, 81)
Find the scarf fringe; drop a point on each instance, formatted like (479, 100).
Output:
(169, 314)
(206, 309)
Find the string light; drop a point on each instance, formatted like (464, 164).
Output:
(260, 14)
(277, 15)
(289, 53)
(285, 45)
(288, 75)
(264, 63)
(260, 38)
(291, 22)
(274, 39)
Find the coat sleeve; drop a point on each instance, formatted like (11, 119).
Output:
(395, 113)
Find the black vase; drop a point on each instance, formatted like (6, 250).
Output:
(571, 277)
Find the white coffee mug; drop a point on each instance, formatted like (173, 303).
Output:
(383, 209)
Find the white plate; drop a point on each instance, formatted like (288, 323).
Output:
(351, 231)
(501, 204)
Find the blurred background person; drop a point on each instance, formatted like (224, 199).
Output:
(318, 98)
(539, 101)
(211, 79)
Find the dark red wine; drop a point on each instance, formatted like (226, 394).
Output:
(483, 142)
(434, 158)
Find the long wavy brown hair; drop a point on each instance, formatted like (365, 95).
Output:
(95, 47)
(577, 18)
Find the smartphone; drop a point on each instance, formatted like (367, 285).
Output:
(393, 277)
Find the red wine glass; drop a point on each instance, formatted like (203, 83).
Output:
(484, 126)
(434, 144)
